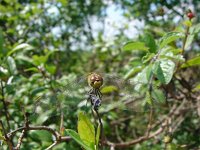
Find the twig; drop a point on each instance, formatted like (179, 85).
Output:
(52, 145)
(174, 112)
(52, 131)
(20, 140)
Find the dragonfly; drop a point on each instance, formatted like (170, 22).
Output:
(106, 93)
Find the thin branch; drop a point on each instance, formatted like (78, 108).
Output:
(52, 145)
(20, 140)
(174, 112)
(52, 131)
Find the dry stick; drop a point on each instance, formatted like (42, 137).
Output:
(57, 136)
(52, 131)
(23, 131)
(5, 105)
(20, 140)
(52, 145)
(164, 124)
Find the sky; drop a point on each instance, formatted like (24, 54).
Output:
(113, 22)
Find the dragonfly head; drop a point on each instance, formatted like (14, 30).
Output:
(95, 80)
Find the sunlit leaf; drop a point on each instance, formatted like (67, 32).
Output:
(149, 41)
(147, 57)
(197, 88)
(37, 90)
(187, 23)
(34, 69)
(133, 72)
(23, 46)
(77, 138)
(170, 37)
(135, 46)
(109, 89)
(192, 62)
(86, 129)
(98, 134)
(51, 69)
(11, 65)
(164, 70)
(38, 60)
(41, 135)
(158, 95)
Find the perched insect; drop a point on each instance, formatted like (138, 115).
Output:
(95, 81)
(70, 92)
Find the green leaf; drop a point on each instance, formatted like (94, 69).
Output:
(176, 57)
(187, 23)
(135, 46)
(98, 134)
(86, 129)
(189, 40)
(192, 32)
(38, 60)
(51, 69)
(197, 88)
(147, 57)
(41, 136)
(172, 146)
(149, 72)
(24, 59)
(192, 62)
(63, 2)
(147, 99)
(11, 65)
(133, 72)
(34, 69)
(158, 95)
(170, 37)
(141, 80)
(164, 70)
(109, 89)
(149, 41)
(77, 138)
(23, 46)
(37, 90)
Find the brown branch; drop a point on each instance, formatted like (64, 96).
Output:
(175, 111)
(57, 136)
(29, 128)
(20, 140)
(52, 145)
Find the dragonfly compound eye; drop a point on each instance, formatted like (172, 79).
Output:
(95, 80)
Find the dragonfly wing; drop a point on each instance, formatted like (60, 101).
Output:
(63, 95)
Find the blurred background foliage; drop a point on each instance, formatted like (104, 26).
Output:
(45, 45)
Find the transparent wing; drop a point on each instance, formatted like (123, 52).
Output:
(70, 93)
(62, 96)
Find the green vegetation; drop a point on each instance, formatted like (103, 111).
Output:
(149, 61)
